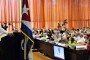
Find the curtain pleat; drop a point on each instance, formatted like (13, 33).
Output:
(46, 13)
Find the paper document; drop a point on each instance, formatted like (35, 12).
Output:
(81, 47)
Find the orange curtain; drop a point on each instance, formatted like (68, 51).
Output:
(38, 14)
(10, 13)
(47, 13)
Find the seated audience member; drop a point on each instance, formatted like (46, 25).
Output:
(76, 37)
(52, 31)
(56, 36)
(88, 46)
(72, 41)
(49, 33)
(81, 40)
(65, 35)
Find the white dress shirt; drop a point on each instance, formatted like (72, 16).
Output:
(2, 31)
(81, 40)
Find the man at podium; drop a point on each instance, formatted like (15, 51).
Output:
(2, 31)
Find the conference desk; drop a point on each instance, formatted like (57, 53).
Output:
(70, 54)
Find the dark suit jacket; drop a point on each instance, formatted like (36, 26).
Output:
(10, 47)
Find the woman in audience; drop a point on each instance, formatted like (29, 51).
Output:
(72, 41)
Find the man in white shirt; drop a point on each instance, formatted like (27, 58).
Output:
(2, 31)
(81, 39)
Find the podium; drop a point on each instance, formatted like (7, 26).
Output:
(10, 47)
